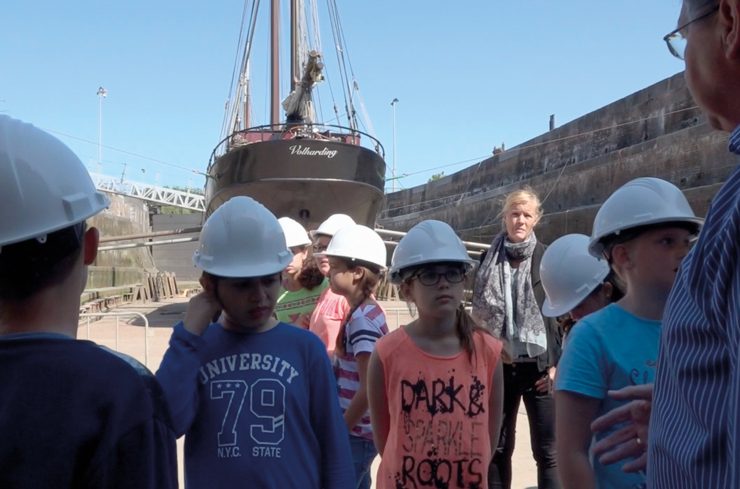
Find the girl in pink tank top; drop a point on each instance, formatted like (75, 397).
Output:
(435, 386)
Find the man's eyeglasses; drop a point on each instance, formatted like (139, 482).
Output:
(432, 277)
(676, 41)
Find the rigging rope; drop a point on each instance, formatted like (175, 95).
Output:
(339, 49)
(227, 113)
(233, 105)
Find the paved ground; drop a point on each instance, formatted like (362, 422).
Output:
(129, 335)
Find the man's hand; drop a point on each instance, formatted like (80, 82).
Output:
(630, 440)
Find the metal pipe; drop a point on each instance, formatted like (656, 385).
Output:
(89, 315)
(401, 234)
(147, 243)
(154, 234)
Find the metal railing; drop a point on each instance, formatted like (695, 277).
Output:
(117, 315)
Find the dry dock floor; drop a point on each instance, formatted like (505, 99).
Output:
(126, 333)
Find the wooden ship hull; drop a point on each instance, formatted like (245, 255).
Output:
(306, 177)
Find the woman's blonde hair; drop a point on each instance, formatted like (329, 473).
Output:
(523, 195)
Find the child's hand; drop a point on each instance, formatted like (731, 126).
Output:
(202, 310)
(303, 321)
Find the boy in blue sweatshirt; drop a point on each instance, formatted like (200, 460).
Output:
(72, 414)
(255, 398)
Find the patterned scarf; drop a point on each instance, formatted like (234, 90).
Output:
(490, 305)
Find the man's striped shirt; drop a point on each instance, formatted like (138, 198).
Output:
(695, 424)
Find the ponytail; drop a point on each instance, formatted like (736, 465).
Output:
(369, 283)
(465, 327)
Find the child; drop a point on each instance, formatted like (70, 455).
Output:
(576, 283)
(255, 397)
(644, 230)
(331, 308)
(356, 261)
(302, 281)
(72, 414)
(436, 384)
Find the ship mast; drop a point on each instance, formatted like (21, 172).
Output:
(275, 62)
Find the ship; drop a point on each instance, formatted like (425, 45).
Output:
(296, 165)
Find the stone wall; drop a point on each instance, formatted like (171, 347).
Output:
(125, 216)
(657, 131)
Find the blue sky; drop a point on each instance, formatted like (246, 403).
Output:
(469, 75)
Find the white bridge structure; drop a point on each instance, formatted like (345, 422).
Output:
(151, 193)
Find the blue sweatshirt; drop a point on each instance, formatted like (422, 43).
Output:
(257, 409)
(73, 415)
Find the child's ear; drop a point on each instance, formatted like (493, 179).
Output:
(729, 15)
(358, 273)
(206, 281)
(91, 239)
(621, 256)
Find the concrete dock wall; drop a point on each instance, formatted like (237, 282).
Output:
(657, 131)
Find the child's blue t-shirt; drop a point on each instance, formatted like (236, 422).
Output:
(256, 409)
(608, 350)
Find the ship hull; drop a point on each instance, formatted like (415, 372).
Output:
(305, 179)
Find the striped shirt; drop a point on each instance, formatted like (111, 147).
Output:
(364, 328)
(695, 423)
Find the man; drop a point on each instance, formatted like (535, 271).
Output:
(694, 431)
(72, 415)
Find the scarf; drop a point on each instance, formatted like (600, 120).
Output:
(492, 305)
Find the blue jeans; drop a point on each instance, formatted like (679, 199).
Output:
(363, 454)
(519, 380)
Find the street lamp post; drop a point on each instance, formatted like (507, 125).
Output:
(102, 93)
(394, 102)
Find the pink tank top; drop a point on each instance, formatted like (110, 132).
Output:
(439, 414)
(327, 317)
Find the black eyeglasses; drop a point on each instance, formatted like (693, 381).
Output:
(432, 277)
(676, 40)
(319, 248)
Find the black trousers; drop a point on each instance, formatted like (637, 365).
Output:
(519, 380)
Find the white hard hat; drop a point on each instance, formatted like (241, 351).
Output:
(44, 187)
(295, 234)
(242, 239)
(640, 202)
(569, 273)
(332, 224)
(358, 242)
(428, 242)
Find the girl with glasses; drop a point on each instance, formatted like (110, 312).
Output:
(435, 386)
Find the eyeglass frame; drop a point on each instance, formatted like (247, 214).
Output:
(676, 33)
(438, 275)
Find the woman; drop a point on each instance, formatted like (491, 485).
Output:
(507, 299)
